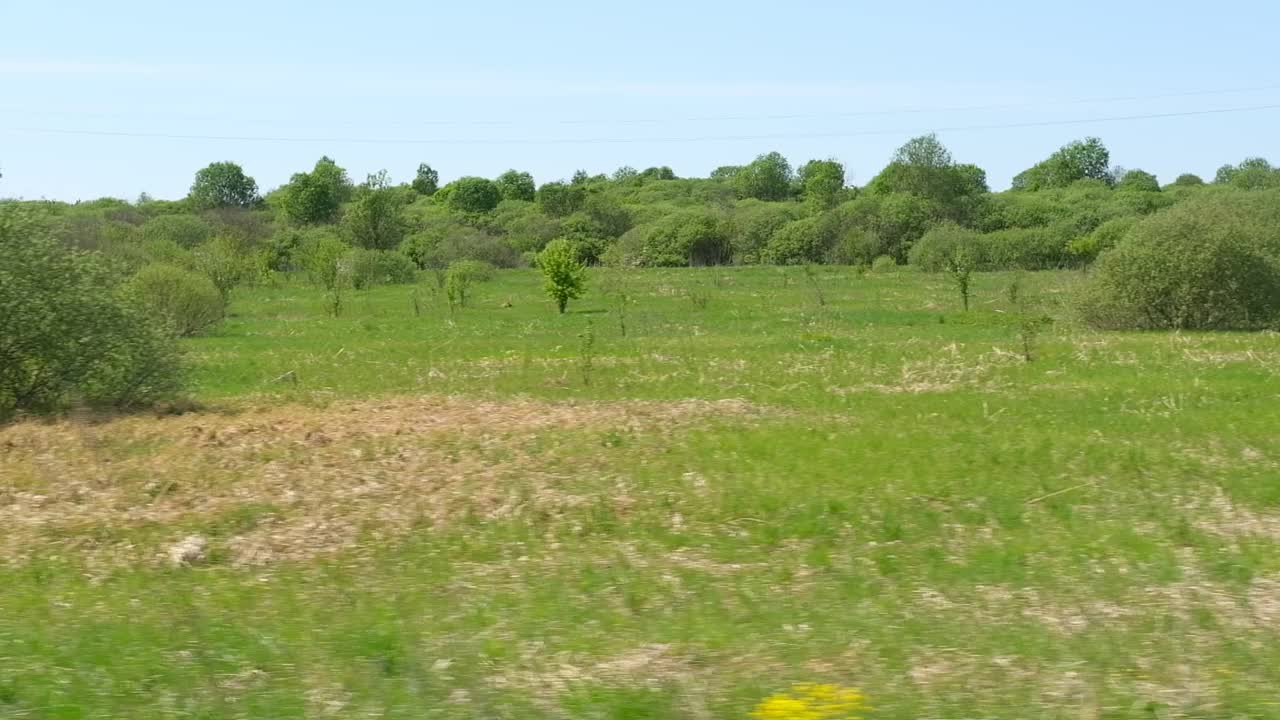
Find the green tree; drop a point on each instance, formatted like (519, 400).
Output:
(375, 219)
(565, 277)
(726, 173)
(223, 184)
(472, 195)
(1077, 160)
(768, 177)
(317, 196)
(1139, 180)
(514, 185)
(923, 167)
(427, 181)
(1253, 173)
(1188, 180)
(822, 182)
(559, 199)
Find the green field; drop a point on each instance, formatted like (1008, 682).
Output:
(770, 478)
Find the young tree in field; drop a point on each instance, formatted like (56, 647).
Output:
(513, 185)
(768, 177)
(223, 184)
(565, 275)
(427, 180)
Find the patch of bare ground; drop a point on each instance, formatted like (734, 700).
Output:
(293, 482)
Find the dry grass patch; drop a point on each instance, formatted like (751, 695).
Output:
(294, 482)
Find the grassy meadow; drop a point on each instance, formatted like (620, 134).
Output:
(693, 490)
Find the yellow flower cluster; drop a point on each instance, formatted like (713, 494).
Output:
(811, 701)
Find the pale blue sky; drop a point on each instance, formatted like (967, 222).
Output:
(476, 88)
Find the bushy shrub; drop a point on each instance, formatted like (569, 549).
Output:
(754, 223)
(224, 262)
(67, 335)
(1200, 265)
(799, 242)
(380, 267)
(1038, 248)
(687, 238)
(857, 246)
(186, 231)
(459, 278)
(477, 270)
(1103, 238)
(937, 250)
(186, 302)
(884, 263)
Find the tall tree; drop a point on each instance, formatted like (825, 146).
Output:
(822, 182)
(427, 181)
(1077, 160)
(223, 184)
(514, 185)
(768, 177)
(375, 218)
(317, 196)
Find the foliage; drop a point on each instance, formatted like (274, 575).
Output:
(375, 219)
(513, 185)
(317, 196)
(1137, 180)
(380, 267)
(1253, 173)
(822, 182)
(66, 335)
(1103, 238)
(800, 242)
(186, 231)
(564, 275)
(426, 181)
(754, 224)
(768, 177)
(323, 255)
(1188, 180)
(558, 199)
(1077, 160)
(1201, 265)
(186, 302)
(224, 263)
(223, 184)
(691, 237)
(937, 249)
(884, 263)
(459, 278)
(470, 195)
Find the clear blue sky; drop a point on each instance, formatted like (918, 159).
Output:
(550, 87)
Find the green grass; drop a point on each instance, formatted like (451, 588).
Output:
(895, 500)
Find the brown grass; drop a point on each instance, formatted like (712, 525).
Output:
(294, 482)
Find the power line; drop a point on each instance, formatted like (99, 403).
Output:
(626, 140)
(795, 116)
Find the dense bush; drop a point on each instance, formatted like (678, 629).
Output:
(687, 238)
(66, 335)
(754, 224)
(1038, 248)
(800, 242)
(937, 250)
(380, 267)
(1204, 264)
(186, 302)
(186, 231)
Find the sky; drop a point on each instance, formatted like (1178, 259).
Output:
(115, 99)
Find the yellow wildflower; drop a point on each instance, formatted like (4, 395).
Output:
(812, 701)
